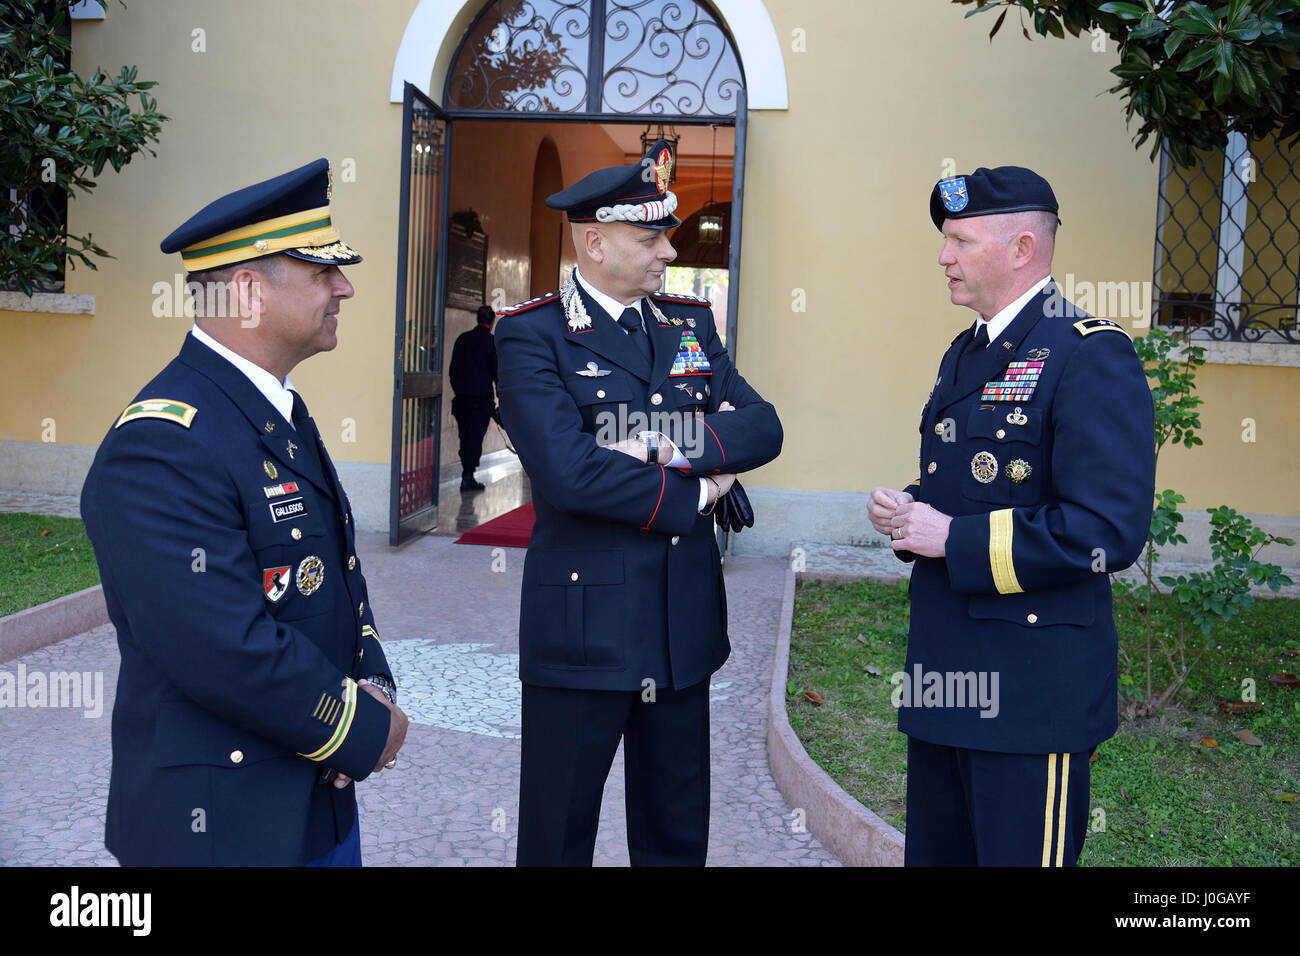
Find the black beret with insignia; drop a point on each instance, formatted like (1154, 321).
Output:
(989, 192)
(287, 215)
(636, 194)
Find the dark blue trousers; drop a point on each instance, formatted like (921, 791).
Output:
(569, 741)
(979, 808)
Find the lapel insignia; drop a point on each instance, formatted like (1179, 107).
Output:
(270, 470)
(270, 427)
(593, 371)
(1018, 470)
(690, 359)
(275, 491)
(275, 583)
(291, 448)
(574, 310)
(654, 310)
(311, 573)
(1017, 417)
(675, 321)
(1037, 355)
(984, 467)
(1016, 385)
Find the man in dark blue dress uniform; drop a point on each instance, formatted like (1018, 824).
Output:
(253, 688)
(1037, 481)
(630, 421)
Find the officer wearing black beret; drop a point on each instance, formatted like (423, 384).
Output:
(253, 688)
(1037, 481)
(630, 421)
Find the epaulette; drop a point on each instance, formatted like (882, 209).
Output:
(681, 297)
(1088, 326)
(530, 304)
(165, 408)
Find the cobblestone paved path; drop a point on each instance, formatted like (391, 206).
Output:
(448, 615)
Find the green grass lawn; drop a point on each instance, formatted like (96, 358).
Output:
(1166, 798)
(42, 558)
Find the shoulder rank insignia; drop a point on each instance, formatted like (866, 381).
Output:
(164, 408)
(529, 304)
(1088, 326)
(679, 297)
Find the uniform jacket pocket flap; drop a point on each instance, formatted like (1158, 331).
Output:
(594, 391)
(581, 568)
(1005, 422)
(1041, 608)
(188, 735)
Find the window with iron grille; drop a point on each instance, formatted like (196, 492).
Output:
(1227, 256)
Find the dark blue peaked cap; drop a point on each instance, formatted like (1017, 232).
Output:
(636, 194)
(288, 215)
(988, 192)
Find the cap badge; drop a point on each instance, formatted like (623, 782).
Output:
(953, 193)
(663, 169)
(984, 467)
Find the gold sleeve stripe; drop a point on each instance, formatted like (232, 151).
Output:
(319, 704)
(1060, 814)
(1004, 569)
(341, 732)
(1047, 813)
(368, 631)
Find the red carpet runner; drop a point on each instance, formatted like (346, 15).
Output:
(510, 530)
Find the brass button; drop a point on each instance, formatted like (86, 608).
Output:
(237, 756)
(932, 468)
(346, 517)
(295, 534)
(938, 428)
(699, 396)
(656, 399)
(361, 608)
(676, 538)
(573, 576)
(352, 563)
(1002, 433)
(1032, 619)
(600, 393)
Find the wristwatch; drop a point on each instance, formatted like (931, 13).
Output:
(386, 685)
(651, 440)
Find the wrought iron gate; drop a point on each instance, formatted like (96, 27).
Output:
(417, 365)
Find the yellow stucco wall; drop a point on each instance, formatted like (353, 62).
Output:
(883, 98)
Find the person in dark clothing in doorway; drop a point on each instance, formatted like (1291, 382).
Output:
(473, 381)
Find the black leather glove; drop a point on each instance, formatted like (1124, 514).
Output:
(734, 512)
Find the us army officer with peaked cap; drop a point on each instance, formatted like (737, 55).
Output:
(623, 615)
(1037, 479)
(253, 688)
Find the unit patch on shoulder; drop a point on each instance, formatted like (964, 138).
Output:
(164, 408)
(1088, 326)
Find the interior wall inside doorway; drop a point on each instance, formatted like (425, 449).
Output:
(504, 170)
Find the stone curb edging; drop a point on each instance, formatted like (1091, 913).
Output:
(52, 621)
(845, 827)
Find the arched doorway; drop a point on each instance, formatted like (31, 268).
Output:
(540, 92)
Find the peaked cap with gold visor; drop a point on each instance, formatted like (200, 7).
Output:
(288, 215)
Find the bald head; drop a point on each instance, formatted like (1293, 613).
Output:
(623, 261)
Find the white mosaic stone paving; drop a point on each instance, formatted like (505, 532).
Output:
(457, 686)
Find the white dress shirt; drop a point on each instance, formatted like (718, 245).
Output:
(1004, 317)
(276, 393)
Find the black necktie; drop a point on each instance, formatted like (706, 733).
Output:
(631, 320)
(975, 348)
(306, 443)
